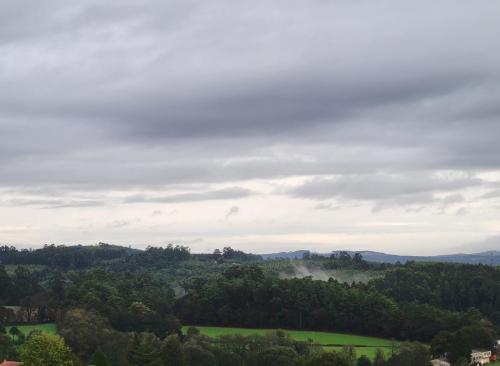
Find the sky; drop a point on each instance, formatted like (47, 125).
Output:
(262, 125)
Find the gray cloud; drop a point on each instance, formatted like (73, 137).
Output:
(386, 189)
(52, 203)
(81, 204)
(491, 194)
(380, 186)
(220, 194)
(364, 101)
(232, 212)
(116, 224)
(326, 206)
(190, 83)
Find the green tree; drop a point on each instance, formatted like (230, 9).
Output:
(56, 286)
(379, 359)
(192, 331)
(441, 343)
(462, 361)
(42, 349)
(328, 359)
(364, 361)
(7, 349)
(411, 354)
(99, 359)
(276, 356)
(86, 332)
(227, 358)
(173, 353)
(350, 353)
(146, 350)
(17, 335)
(480, 335)
(196, 355)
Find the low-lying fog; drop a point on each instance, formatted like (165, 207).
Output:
(341, 275)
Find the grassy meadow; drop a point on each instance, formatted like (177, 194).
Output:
(330, 341)
(28, 328)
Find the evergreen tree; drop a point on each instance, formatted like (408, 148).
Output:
(174, 355)
(145, 351)
(99, 359)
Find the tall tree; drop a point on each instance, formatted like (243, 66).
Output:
(146, 350)
(379, 359)
(99, 359)
(173, 353)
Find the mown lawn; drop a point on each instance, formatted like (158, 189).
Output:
(28, 328)
(330, 341)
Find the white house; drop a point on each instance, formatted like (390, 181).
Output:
(480, 357)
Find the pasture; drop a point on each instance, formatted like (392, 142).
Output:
(330, 341)
(26, 329)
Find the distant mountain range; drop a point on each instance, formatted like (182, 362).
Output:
(489, 257)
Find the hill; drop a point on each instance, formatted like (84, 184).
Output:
(488, 258)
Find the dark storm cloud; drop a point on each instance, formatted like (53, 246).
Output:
(115, 95)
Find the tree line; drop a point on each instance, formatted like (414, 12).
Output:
(119, 304)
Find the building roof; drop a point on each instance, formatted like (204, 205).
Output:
(11, 363)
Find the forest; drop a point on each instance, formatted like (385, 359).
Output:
(122, 306)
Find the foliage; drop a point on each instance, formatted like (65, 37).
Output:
(460, 344)
(456, 287)
(173, 351)
(363, 361)
(87, 332)
(124, 304)
(328, 359)
(244, 296)
(7, 347)
(145, 350)
(99, 359)
(65, 257)
(411, 354)
(42, 349)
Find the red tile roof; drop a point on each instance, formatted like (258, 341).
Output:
(11, 363)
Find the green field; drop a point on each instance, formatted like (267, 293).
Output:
(27, 329)
(330, 341)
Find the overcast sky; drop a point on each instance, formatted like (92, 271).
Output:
(264, 125)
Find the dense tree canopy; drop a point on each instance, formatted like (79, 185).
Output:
(455, 287)
(247, 297)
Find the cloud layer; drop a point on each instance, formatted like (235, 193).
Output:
(345, 105)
